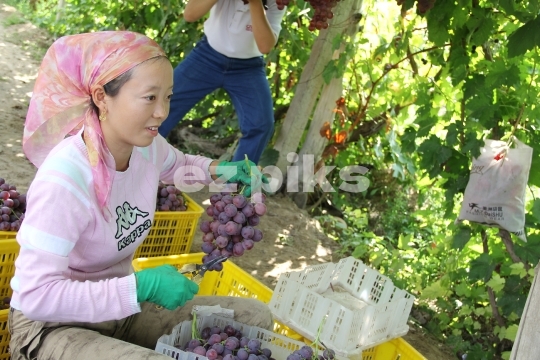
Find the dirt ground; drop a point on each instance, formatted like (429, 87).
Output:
(292, 239)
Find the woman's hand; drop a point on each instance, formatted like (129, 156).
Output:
(242, 172)
(164, 286)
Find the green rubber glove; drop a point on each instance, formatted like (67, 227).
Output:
(164, 286)
(244, 172)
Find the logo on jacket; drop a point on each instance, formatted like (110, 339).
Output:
(127, 216)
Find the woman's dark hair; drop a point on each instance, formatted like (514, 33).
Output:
(112, 88)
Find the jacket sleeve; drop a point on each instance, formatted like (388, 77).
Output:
(177, 167)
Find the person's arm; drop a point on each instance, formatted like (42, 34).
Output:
(170, 160)
(262, 31)
(196, 9)
(184, 169)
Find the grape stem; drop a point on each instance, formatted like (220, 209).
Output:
(194, 332)
(317, 340)
(247, 164)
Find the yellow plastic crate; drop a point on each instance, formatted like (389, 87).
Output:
(172, 231)
(4, 335)
(234, 281)
(9, 250)
(8, 235)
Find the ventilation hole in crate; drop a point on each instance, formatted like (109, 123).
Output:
(355, 327)
(338, 323)
(308, 310)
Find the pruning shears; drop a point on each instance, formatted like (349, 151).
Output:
(197, 271)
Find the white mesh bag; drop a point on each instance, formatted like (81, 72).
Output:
(495, 193)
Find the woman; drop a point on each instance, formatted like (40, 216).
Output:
(229, 56)
(92, 202)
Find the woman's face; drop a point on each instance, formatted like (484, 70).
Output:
(135, 113)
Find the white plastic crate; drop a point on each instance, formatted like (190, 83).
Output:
(360, 307)
(281, 346)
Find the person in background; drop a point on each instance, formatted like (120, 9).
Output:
(230, 56)
(92, 203)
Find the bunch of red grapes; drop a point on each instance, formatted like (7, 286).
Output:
(12, 207)
(323, 13)
(306, 353)
(226, 344)
(229, 344)
(169, 198)
(232, 230)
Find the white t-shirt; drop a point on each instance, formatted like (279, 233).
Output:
(229, 30)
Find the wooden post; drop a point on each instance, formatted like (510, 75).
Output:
(526, 346)
(311, 82)
(324, 110)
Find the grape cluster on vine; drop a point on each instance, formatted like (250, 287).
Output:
(12, 207)
(169, 198)
(233, 229)
(322, 13)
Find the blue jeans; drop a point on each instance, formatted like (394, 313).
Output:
(205, 70)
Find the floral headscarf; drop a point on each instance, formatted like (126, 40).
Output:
(61, 102)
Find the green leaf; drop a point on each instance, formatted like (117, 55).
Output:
(473, 84)
(529, 251)
(438, 21)
(331, 70)
(336, 41)
(512, 302)
(534, 176)
(536, 209)
(434, 291)
(502, 73)
(403, 241)
(472, 145)
(518, 269)
(408, 4)
(496, 283)
(481, 268)
(511, 332)
(433, 155)
(463, 289)
(483, 32)
(452, 134)
(269, 157)
(461, 238)
(425, 121)
(507, 6)
(525, 38)
(458, 62)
